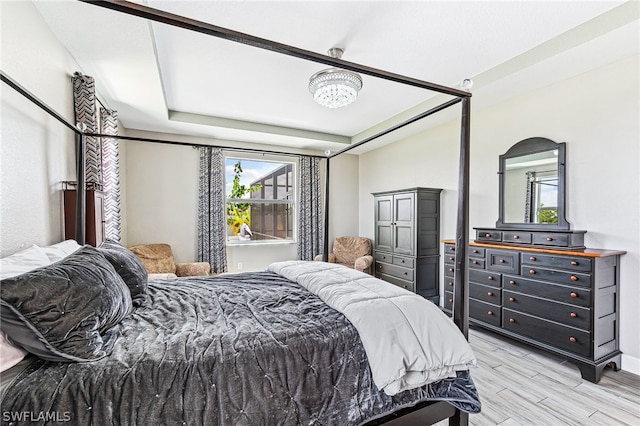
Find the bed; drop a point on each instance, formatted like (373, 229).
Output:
(299, 343)
(256, 348)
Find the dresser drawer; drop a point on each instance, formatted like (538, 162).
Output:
(561, 277)
(485, 293)
(551, 239)
(503, 261)
(573, 316)
(579, 264)
(563, 337)
(476, 252)
(448, 300)
(449, 249)
(448, 283)
(572, 295)
(488, 235)
(476, 263)
(485, 312)
(407, 262)
(449, 271)
(394, 271)
(484, 277)
(449, 258)
(407, 285)
(516, 237)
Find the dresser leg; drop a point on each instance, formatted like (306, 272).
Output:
(593, 372)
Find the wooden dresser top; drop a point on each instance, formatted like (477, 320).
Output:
(584, 252)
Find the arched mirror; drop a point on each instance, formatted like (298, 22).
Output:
(532, 186)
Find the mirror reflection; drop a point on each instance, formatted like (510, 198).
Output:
(531, 188)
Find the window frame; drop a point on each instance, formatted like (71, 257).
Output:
(293, 202)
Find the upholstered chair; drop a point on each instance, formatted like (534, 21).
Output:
(159, 262)
(354, 252)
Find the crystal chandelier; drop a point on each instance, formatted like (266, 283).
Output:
(335, 87)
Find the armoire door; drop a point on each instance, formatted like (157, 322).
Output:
(383, 221)
(403, 223)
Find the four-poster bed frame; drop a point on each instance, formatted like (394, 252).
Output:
(422, 413)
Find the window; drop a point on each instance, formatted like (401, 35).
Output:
(545, 197)
(260, 199)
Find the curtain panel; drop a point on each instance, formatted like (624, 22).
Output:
(212, 220)
(102, 170)
(310, 215)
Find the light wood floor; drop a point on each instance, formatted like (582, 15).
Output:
(520, 385)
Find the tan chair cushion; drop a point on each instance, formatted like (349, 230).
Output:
(156, 258)
(348, 249)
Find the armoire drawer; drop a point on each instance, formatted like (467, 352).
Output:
(482, 276)
(561, 293)
(485, 293)
(407, 262)
(563, 337)
(556, 276)
(383, 257)
(570, 315)
(578, 264)
(407, 285)
(485, 312)
(394, 271)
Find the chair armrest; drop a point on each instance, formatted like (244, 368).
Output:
(192, 269)
(363, 263)
(332, 258)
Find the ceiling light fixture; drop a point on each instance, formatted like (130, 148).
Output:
(335, 87)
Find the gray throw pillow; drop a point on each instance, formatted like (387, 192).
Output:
(129, 267)
(67, 311)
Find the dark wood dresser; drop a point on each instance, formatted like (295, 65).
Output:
(565, 301)
(407, 239)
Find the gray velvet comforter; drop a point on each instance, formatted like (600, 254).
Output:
(242, 349)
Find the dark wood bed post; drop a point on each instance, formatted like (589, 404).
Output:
(81, 189)
(461, 281)
(325, 239)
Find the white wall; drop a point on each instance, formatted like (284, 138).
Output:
(36, 151)
(596, 114)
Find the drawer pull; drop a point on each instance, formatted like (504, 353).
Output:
(574, 278)
(574, 263)
(511, 320)
(512, 282)
(549, 239)
(574, 295)
(487, 235)
(379, 266)
(512, 299)
(406, 273)
(490, 278)
(451, 283)
(501, 261)
(490, 294)
(515, 237)
(475, 262)
(450, 300)
(452, 259)
(490, 313)
(573, 315)
(532, 271)
(573, 339)
(452, 248)
(404, 286)
(475, 251)
(450, 269)
(532, 258)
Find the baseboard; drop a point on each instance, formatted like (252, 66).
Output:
(630, 364)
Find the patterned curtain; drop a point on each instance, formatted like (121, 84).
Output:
(310, 217)
(84, 100)
(212, 221)
(102, 170)
(531, 177)
(111, 174)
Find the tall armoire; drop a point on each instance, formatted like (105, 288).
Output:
(407, 238)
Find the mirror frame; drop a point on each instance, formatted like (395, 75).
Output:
(532, 146)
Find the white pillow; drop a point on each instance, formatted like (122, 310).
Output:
(61, 250)
(10, 354)
(23, 261)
